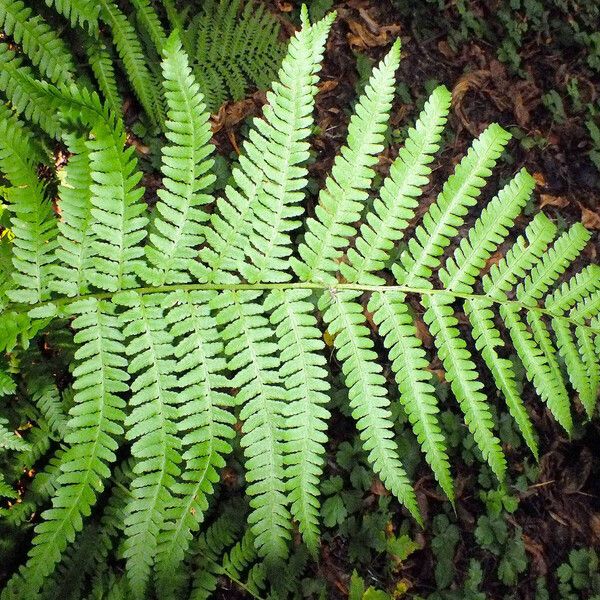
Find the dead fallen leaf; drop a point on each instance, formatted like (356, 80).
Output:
(361, 36)
(328, 85)
(589, 218)
(469, 81)
(285, 7)
(539, 179)
(549, 200)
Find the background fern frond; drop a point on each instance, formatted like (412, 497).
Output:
(38, 40)
(79, 12)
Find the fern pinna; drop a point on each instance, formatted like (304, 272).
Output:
(186, 321)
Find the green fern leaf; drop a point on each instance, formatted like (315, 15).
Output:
(118, 213)
(101, 62)
(302, 370)
(95, 421)
(83, 13)
(409, 364)
(177, 226)
(367, 394)
(75, 232)
(130, 50)
(152, 426)
(281, 139)
(261, 396)
(398, 197)
(441, 222)
(204, 421)
(342, 200)
(463, 378)
(33, 224)
(38, 40)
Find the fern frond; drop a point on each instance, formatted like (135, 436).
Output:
(150, 23)
(152, 426)
(444, 217)
(101, 62)
(590, 355)
(209, 547)
(265, 191)
(17, 83)
(398, 197)
(242, 558)
(487, 339)
(75, 237)
(33, 224)
(519, 260)
(280, 138)
(302, 370)
(464, 379)
(366, 392)
(488, 232)
(553, 264)
(130, 50)
(9, 440)
(342, 200)
(575, 366)
(38, 40)
(45, 395)
(234, 48)
(95, 422)
(574, 290)
(177, 226)
(586, 308)
(83, 13)
(206, 424)
(417, 395)
(118, 213)
(548, 383)
(261, 395)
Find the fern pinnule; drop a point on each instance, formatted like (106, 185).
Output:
(204, 421)
(464, 380)
(416, 393)
(118, 219)
(177, 226)
(302, 369)
(152, 427)
(262, 398)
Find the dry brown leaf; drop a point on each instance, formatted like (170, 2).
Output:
(362, 37)
(469, 81)
(539, 179)
(285, 7)
(328, 85)
(589, 218)
(549, 200)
